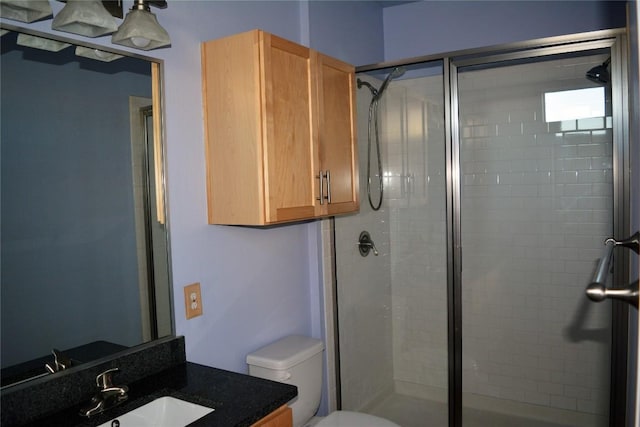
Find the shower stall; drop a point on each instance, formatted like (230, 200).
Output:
(502, 173)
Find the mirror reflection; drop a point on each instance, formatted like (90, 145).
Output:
(83, 241)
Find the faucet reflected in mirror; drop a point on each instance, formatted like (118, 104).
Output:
(60, 362)
(84, 246)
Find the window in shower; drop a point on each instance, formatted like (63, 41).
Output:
(574, 104)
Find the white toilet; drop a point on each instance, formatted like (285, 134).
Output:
(297, 360)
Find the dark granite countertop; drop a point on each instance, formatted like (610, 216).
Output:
(237, 399)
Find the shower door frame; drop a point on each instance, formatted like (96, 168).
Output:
(615, 40)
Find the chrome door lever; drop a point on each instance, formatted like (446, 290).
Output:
(597, 292)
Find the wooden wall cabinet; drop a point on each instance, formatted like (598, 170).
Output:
(280, 131)
(281, 417)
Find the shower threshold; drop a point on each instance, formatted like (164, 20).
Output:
(409, 411)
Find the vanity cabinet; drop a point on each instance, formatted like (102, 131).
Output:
(279, 130)
(281, 417)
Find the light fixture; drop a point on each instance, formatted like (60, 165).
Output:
(140, 29)
(40, 43)
(25, 10)
(97, 54)
(85, 17)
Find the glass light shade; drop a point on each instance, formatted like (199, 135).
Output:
(25, 10)
(141, 30)
(40, 43)
(99, 55)
(85, 17)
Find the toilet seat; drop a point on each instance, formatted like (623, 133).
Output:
(354, 419)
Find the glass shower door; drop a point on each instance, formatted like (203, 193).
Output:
(392, 307)
(536, 204)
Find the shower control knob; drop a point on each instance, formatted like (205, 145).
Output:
(365, 244)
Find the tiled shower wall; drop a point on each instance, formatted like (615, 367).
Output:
(413, 132)
(364, 292)
(536, 209)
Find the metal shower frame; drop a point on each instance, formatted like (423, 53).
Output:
(615, 40)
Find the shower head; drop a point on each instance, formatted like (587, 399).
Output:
(377, 93)
(599, 74)
(395, 73)
(373, 90)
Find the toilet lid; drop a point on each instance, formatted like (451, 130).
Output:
(354, 419)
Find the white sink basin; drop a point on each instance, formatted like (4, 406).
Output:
(163, 412)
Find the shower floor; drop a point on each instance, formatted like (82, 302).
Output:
(408, 411)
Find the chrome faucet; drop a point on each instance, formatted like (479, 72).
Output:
(60, 362)
(108, 395)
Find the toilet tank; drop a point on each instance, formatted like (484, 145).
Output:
(295, 360)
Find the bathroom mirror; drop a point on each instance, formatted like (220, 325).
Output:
(84, 244)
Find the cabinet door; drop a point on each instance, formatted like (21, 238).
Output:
(281, 417)
(231, 92)
(337, 133)
(289, 153)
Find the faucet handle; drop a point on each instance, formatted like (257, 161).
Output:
(60, 362)
(105, 379)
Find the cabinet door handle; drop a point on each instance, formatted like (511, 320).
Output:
(328, 175)
(320, 176)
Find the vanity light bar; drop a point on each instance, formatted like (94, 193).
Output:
(25, 10)
(99, 55)
(94, 18)
(40, 43)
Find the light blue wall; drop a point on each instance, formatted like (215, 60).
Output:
(429, 27)
(254, 282)
(348, 30)
(258, 285)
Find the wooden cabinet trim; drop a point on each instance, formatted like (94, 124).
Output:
(281, 417)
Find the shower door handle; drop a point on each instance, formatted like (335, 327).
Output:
(597, 290)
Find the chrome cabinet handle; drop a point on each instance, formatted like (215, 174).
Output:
(320, 176)
(328, 176)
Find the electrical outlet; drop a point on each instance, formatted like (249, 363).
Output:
(192, 300)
